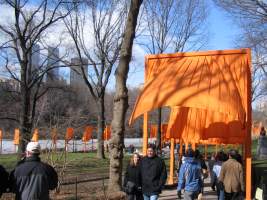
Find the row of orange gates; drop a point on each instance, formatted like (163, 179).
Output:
(87, 135)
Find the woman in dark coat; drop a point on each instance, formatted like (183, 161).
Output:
(132, 179)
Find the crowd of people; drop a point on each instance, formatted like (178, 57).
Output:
(145, 177)
(31, 179)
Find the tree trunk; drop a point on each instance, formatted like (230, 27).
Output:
(100, 127)
(158, 143)
(25, 121)
(120, 106)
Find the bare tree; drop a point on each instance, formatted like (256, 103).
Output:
(120, 107)
(102, 21)
(251, 16)
(173, 25)
(23, 35)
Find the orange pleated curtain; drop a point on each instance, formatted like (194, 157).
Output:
(1, 135)
(87, 135)
(153, 131)
(69, 134)
(256, 128)
(193, 125)
(107, 133)
(35, 136)
(16, 137)
(214, 80)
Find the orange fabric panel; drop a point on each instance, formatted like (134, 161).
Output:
(256, 128)
(164, 128)
(87, 135)
(69, 134)
(35, 136)
(16, 137)
(215, 80)
(1, 135)
(54, 135)
(153, 131)
(194, 125)
(107, 133)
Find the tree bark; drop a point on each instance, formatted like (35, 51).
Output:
(120, 106)
(100, 127)
(25, 121)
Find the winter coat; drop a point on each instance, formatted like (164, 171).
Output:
(190, 176)
(231, 175)
(3, 180)
(32, 179)
(133, 174)
(153, 175)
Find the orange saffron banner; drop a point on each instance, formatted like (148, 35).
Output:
(1, 135)
(107, 133)
(69, 134)
(256, 128)
(16, 137)
(87, 135)
(35, 136)
(153, 130)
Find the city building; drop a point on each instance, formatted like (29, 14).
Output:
(53, 62)
(76, 77)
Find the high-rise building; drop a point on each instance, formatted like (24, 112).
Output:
(76, 77)
(35, 58)
(53, 61)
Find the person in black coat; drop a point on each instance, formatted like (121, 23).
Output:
(153, 174)
(3, 180)
(32, 179)
(132, 179)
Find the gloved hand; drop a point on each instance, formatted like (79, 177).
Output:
(179, 194)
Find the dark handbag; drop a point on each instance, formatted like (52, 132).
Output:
(130, 187)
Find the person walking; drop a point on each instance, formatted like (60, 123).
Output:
(216, 173)
(3, 180)
(262, 145)
(132, 179)
(189, 177)
(231, 175)
(153, 174)
(32, 179)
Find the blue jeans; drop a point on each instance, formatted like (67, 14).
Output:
(151, 197)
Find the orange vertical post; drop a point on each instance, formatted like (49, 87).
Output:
(145, 133)
(172, 159)
(248, 131)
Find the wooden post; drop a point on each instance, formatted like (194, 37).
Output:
(172, 160)
(145, 133)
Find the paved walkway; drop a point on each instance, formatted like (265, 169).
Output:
(171, 194)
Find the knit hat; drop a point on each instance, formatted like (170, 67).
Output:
(33, 147)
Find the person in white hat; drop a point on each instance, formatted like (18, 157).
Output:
(32, 179)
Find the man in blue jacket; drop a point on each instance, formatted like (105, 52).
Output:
(190, 177)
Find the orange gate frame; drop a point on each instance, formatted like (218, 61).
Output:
(232, 96)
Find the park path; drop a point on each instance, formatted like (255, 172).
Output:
(171, 194)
